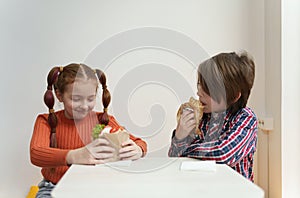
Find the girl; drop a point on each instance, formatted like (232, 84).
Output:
(228, 128)
(63, 138)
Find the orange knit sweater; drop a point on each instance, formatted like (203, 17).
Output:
(70, 135)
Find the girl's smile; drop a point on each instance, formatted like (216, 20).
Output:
(79, 98)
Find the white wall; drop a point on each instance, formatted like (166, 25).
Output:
(273, 97)
(36, 35)
(290, 98)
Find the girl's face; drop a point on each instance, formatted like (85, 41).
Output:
(79, 98)
(209, 104)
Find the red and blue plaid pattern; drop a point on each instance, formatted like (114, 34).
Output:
(226, 138)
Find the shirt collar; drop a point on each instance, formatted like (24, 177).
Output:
(220, 115)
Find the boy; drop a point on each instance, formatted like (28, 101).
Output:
(228, 128)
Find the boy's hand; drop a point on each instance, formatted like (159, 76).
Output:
(186, 124)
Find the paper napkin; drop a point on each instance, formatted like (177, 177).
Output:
(208, 166)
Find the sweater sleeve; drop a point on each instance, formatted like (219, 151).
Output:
(141, 143)
(41, 154)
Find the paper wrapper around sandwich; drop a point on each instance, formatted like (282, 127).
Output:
(195, 106)
(116, 139)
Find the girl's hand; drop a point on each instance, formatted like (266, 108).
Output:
(186, 124)
(130, 151)
(97, 152)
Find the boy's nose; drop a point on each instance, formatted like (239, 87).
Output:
(200, 94)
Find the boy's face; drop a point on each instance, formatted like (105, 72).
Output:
(209, 104)
(79, 98)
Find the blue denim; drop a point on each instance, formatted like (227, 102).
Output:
(45, 188)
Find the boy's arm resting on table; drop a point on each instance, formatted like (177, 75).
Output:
(41, 154)
(178, 147)
(235, 145)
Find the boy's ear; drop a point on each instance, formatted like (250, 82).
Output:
(59, 95)
(238, 97)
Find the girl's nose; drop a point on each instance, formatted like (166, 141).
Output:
(84, 105)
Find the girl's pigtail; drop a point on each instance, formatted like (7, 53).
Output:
(49, 101)
(103, 118)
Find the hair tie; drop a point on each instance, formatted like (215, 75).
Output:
(61, 68)
(104, 87)
(51, 110)
(105, 109)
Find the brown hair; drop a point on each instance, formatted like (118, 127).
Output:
(227, 75)
(59, 77)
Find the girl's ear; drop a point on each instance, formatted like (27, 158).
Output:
(59, 95)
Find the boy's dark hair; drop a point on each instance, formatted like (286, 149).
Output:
(226, 75)
(59, 78)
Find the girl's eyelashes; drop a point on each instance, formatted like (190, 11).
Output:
(91, 99)
(76, 99)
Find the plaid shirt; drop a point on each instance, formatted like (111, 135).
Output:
(225, 138)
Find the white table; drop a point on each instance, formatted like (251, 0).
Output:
(154, 177)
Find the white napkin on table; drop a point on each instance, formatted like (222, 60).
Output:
(209, 166)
